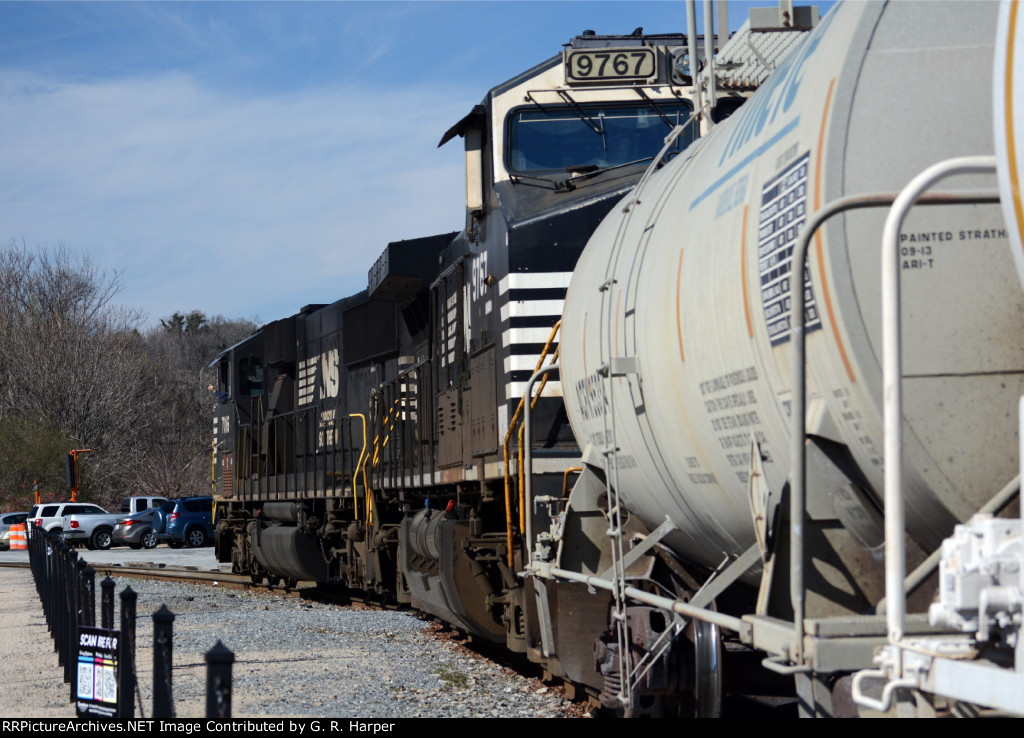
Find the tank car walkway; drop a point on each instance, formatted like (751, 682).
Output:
(31, 682)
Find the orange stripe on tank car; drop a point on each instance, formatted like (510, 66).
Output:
(1011, 144)
(798, 280)
(743, 273)
(679, 320)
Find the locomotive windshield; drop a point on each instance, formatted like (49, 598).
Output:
(592, 136)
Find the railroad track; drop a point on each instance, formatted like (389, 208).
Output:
(181, 574)
(304, 589)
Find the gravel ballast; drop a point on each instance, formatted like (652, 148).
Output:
(297, 658)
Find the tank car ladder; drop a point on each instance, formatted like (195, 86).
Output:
(611, 368)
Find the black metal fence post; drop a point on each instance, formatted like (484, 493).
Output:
(218, 681)
(107, 603)
(163, 629)
(84, 614)
(87, 599)
(126, 655)
(68, 609)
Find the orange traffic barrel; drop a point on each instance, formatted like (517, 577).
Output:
(18, 540)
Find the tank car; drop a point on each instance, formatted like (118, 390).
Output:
(677, 367)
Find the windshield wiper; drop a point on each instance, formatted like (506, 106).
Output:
(555, 184)
(654, 106)
(597, 127)
(592, 170)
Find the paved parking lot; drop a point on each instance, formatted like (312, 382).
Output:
(201, 558)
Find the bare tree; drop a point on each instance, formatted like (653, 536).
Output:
(75, 372)
(181, 350)
(72, 361)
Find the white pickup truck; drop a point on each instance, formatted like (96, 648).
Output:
(86, 523)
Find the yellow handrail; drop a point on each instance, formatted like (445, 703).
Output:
(355, 473)
(509, 524)
(565, 479)
(522, 449)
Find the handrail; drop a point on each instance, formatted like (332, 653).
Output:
(526, 446)
(892, 368)
(359, 463)
(526, 500)
(798, 416)
(565, 479)
(509, 529)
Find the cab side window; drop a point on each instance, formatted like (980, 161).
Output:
(250, 375)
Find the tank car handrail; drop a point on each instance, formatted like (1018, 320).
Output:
(737, 625)
(670, 139)
(798, 416)
(892, 368)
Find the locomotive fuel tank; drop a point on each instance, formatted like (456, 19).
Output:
(676, 339)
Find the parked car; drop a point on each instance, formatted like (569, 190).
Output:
(50, 515)
(95, 530)
(130, 505)
(136, 531)
(6, 521)
(185, 522)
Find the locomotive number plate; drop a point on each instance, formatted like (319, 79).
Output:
(610, 65)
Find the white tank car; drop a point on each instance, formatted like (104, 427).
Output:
(691, 287)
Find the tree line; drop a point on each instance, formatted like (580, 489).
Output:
(78, 371)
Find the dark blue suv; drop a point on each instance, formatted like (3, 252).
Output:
(185, 522)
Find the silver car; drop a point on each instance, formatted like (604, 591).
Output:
(135, 530)
(6, 521)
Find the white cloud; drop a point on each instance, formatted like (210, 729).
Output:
(216, 201)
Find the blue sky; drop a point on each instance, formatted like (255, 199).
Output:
(248, 158)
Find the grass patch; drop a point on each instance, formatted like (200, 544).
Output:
(452, 678)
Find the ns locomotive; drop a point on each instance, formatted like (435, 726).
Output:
(637, 539)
